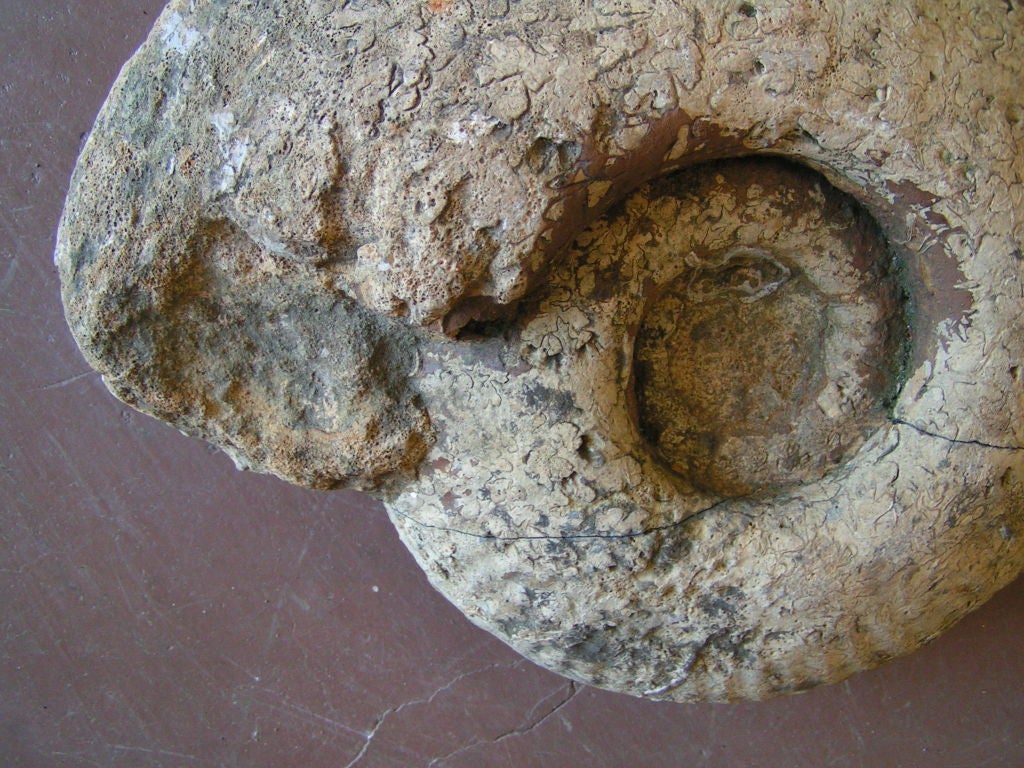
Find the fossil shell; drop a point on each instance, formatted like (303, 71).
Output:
(681, 340)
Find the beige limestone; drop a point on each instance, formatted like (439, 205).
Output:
(682, 340)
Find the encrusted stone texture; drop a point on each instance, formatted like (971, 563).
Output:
(682, 340)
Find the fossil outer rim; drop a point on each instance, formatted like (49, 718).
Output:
(281, 206)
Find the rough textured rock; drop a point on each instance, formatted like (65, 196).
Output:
(681, 339)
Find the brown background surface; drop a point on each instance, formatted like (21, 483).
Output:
(159, 608)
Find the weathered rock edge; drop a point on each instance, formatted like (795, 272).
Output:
(285, 206)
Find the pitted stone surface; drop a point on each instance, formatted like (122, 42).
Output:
(437, 250)
(772, 339)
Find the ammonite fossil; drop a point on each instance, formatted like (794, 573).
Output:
(681, 339)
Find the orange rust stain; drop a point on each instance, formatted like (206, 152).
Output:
(437, 6)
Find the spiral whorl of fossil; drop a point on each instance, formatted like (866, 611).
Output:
(682, 340)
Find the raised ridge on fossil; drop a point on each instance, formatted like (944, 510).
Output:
(682, 340)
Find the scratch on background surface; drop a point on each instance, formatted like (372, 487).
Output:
(369, 735)
(519, 731)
